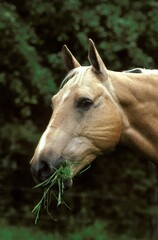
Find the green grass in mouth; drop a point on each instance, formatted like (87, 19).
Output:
(63, 173)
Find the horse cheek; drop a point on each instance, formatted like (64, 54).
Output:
(107, 130)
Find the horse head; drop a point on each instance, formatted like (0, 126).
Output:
(86, 120)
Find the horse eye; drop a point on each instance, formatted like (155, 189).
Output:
(84, 103)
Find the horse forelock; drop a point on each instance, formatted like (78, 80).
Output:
(78, 73)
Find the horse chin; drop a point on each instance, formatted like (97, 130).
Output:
(68, 183)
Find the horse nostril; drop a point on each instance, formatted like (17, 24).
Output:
(44, 170)
(45, 167)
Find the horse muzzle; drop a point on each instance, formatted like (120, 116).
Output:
(44, 167)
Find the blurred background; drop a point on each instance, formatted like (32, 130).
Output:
(117, 198)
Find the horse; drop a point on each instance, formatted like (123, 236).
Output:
(95, 110)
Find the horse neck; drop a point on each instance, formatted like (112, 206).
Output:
(132, 89)
(137, 96)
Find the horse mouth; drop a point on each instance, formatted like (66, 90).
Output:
(68, 183)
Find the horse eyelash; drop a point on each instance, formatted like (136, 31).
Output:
(80, 103)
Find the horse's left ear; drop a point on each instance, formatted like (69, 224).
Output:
(95, 59)
(70, 62)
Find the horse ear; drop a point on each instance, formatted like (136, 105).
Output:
(95, 59)
(69, 60)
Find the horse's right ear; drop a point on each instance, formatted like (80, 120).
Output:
(69, 60)
(95, 59)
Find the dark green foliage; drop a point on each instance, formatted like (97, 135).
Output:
(121, 188)
(96, 231)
